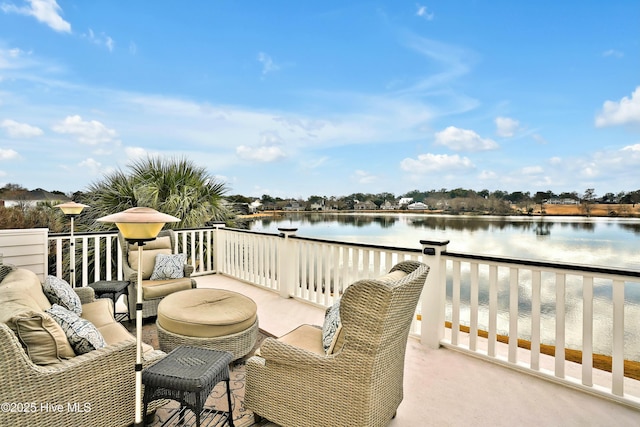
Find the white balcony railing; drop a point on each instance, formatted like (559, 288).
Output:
(485, 299)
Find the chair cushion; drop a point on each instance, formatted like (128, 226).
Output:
(169, 267)
(306, 337)
(115, 332)
(148, 260)
(82, 334)
(58, 291)
(161, 288)
(394, 276)
(43, 339)
(99, 312)
(27, 282)
(206, 313)
(331, 327)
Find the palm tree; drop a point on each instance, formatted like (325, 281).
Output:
(175, 186)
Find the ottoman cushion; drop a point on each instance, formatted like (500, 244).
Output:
(206, 313)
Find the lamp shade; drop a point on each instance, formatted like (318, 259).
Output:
(71, 208)
(139, 223)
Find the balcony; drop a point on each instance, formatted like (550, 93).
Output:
(460, 369)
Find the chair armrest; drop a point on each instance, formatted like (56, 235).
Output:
(86, 294)
(188, 269)
(274, 351)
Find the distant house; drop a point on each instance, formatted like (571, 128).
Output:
(565, 201)
(388, 206)
(365, 206)
(33, 198)
(255, 206)
(417, 206)
(294, 205)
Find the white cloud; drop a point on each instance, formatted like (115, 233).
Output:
(45, 11)
(487, 175)
(20, 130)
(87, 132)
(463, 139)
(506, 127)
(424, 13)
(101, 39)
(91, 164)
(555, 160)
(135, 152)
(363, 177)
(427, 163)
(268, 65)
(8, 154)
(532, 170)
(619, 113)
(634, 147)
(613, 52)
(264, 154)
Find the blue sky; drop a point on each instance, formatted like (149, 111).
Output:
(304, 98)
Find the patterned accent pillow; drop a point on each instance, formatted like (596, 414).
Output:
(58, 291)
(331, 327)
(6, 269)
(82, 334)
(169, 267)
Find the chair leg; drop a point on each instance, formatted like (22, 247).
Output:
(257, 418)
(394, 414)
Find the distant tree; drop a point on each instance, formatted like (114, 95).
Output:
(587, 201)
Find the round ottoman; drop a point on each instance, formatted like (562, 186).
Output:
(212, 318)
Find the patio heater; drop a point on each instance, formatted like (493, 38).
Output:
(138, 226)
(72, 209)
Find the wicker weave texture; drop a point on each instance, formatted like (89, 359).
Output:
(149, 306)
(239, 343)
(361, 385)
(94, 389)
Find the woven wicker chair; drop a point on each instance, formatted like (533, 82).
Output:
(358, 385)
(150, 305)
(93, 389)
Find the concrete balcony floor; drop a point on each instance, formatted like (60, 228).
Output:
(447, 388)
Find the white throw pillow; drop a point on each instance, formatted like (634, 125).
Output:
(58, 291)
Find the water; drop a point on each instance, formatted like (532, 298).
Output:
(608, 242)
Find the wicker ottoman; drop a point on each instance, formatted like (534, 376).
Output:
(211, 318)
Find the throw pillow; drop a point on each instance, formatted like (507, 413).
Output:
(43, 339)
(82, 334)
(58, 291)
(331, 327)
(6, 269)
(169, 267)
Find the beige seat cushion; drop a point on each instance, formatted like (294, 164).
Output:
(206, 313)
(161, 288)
(306, 337)
(394, 276)
(115, 332)
(27, 282)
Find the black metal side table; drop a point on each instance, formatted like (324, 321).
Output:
(187, 375)
(113, 289)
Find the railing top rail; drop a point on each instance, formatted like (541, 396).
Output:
(84, 233)
(359, 245)
(545, 264)
(241, 230)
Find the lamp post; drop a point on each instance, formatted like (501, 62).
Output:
(139, 225)
(72, 209)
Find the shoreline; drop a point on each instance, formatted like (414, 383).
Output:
(597, 211)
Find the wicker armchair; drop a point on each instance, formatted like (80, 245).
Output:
(152, 290)
(361, 382)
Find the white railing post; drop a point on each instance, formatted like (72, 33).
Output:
(218, 251)
(287, 262)
(434, 294)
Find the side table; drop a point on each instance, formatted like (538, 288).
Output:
(113, 289)
(187, 375)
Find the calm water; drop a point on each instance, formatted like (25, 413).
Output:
(609, 242)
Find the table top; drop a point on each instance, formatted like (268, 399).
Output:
(109, 285)
(189, 368)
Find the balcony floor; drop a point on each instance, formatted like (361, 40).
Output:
(447, 388)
